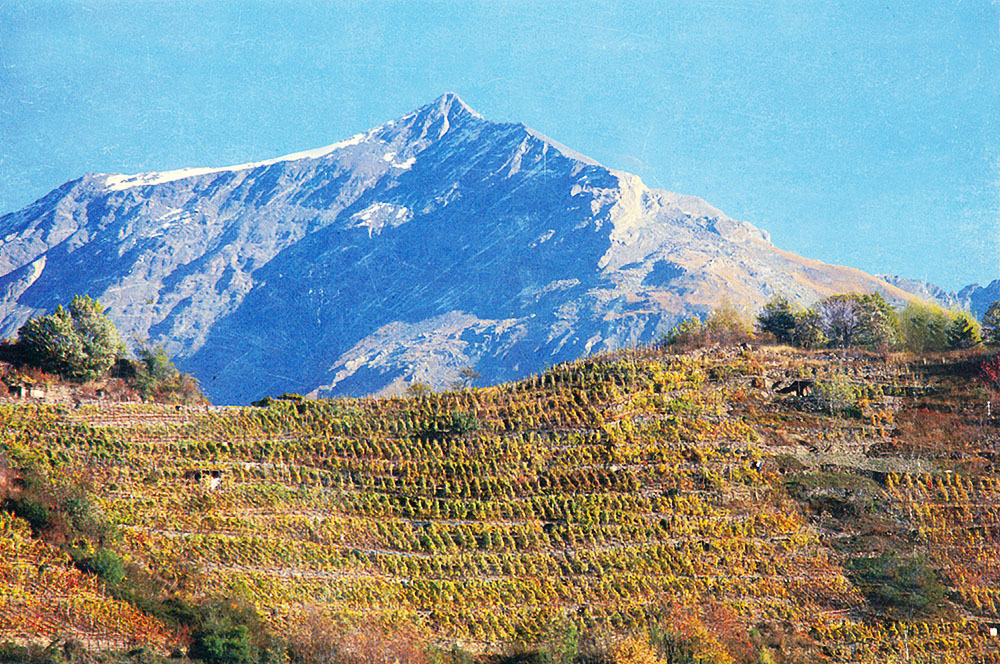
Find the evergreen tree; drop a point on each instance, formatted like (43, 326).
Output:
(963, 331)
(924, 328)
(778, 319)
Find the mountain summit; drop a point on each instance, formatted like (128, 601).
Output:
(436, 241)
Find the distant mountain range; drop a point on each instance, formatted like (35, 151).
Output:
(436, 241)
(974, 298)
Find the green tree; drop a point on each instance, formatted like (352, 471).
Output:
(924, 328)
(808, 331)
(77, 342)
(963, 331)
(158, 379)
(855, 319)
(991, 324)
(778, 319)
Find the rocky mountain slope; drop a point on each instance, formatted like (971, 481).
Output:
(436, 241)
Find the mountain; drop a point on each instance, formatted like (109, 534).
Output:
(436, 241)
(977, 299)
(974, 298)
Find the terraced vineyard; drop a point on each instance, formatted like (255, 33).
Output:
(602, 497)
(45, 597)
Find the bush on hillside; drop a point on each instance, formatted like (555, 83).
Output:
(55, 652)
(989, 371)
(725, 326)
(34, 511)
(77, 342)
(905, 587)
(157, 379)
(835, 395)
(228, 645)
(104, 563)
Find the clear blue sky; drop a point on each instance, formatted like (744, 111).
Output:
(859, 133)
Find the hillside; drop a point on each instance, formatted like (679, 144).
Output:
(855, 522)
(433, 242)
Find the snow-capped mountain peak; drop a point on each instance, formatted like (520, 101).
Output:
(442, 112)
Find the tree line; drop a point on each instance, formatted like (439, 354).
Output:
(858, 320)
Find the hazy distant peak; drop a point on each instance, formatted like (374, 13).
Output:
(974, 298)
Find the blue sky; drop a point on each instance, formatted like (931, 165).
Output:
(858, 133)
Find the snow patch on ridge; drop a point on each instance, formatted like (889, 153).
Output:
(120, 182)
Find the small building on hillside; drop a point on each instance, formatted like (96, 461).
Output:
(209, 477)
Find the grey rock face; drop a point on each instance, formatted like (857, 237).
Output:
(433, 242)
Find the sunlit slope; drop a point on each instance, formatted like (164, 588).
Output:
(43, 597)
(600, 493)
